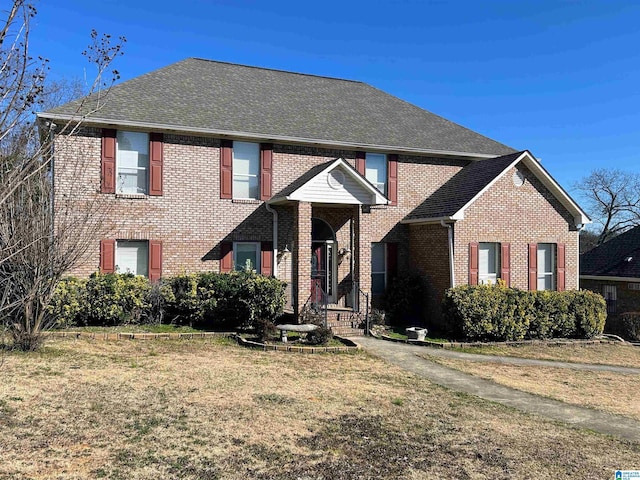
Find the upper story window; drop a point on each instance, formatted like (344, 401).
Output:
(246, 170)
(488, 263)
(132, 162)
(546, 266)
(376, 170)
(132, 256)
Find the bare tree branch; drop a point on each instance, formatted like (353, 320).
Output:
(42, 235)
(612, 198)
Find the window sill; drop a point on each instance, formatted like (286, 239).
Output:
(133, 196)
(251, 201)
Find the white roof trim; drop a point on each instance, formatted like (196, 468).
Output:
(610, 279)
(579, 216)
(262, 136)
(377, 198)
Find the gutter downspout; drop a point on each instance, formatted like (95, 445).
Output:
(579, 227)
(449, 228)
(275, 239)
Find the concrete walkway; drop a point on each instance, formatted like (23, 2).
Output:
(476, 357)
(405, 356)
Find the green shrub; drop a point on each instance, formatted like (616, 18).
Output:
(116, 299)
(181, 299)
(629, 326)
(590, 311)
(405, 300)
(488, 312)
(498, 313)
(206, 300)
(224, 300)
(265, 329)
(68, 302)
(319, 336)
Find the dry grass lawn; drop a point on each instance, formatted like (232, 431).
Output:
(612, 392)
(623, 355)
(207, 409)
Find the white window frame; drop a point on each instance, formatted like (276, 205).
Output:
(119, 167)
(384, 272)
(248, 176)
(119, 246)
(484, 277)
(542, 275)
(377, 157)
(237, 267)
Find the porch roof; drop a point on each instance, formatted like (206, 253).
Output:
(334, 182)
(450, 201)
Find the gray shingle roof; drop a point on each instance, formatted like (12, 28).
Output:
(462, 187)
(205, 95)
(610, 258)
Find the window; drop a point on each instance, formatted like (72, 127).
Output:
(246, 255)
(546, 266)
(378, 268)
(376, 170)
(246, 170)
(610, 294)
(132, 256)
(488, 263)
(132, 162)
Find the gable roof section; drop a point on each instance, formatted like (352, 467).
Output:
(316, 186)
(451, 200)
(617, 258)
(203, 96)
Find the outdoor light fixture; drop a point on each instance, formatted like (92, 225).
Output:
(285, 252)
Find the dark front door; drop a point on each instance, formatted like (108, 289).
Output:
(319, 272)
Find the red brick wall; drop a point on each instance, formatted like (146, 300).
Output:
(429, 247)
(191, 220)
(519, 216)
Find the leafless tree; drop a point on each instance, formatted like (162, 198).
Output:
(612, 198)
(41, 235)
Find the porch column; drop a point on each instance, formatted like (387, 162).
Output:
(363, 227)
(302, 255)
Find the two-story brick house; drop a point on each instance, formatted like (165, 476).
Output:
(329, 184)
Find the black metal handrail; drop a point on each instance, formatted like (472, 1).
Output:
(317, 302)
(357, 292)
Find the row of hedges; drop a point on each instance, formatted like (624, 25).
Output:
(497, 313)
(205, 300)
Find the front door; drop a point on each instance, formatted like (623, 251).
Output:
(323, 275)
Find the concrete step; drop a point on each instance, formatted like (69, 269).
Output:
(347, 332)
(344, 323)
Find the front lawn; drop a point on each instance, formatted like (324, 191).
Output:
(624, 355)
(208, 409)
(608, 391)
(159, 328)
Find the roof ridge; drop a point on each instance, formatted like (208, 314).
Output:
(274, 70)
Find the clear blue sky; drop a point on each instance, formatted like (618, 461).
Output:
(560, 78)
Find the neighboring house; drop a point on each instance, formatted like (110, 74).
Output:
(331, 185)
(613, 270)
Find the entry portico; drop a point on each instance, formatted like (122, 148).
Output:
(327, 258)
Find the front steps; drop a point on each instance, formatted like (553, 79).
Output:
(342, 321)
